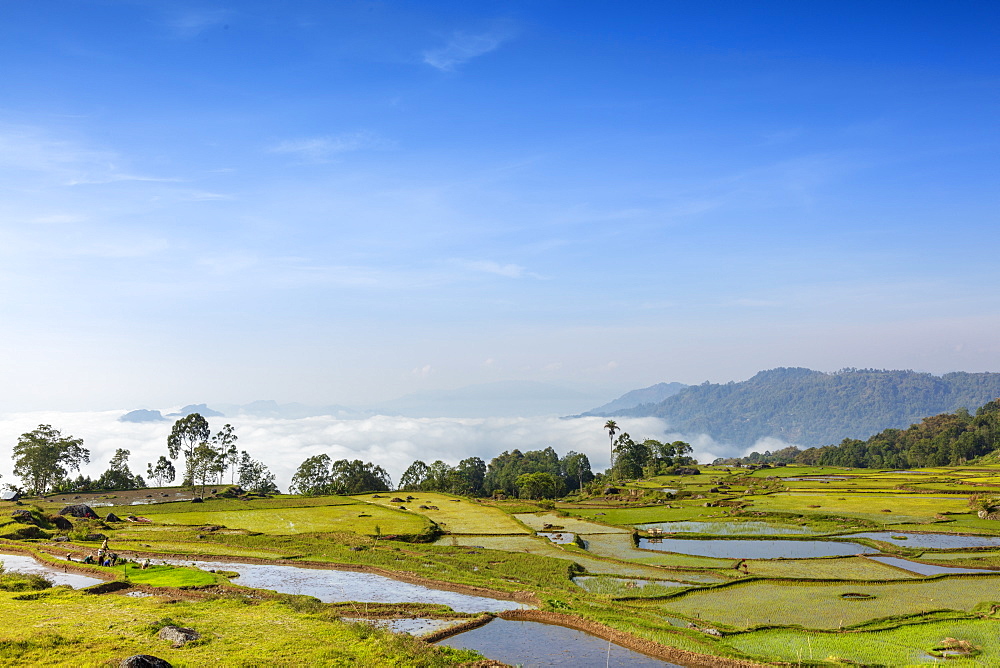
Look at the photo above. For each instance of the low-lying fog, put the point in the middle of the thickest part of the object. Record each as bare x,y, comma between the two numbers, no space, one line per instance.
392,442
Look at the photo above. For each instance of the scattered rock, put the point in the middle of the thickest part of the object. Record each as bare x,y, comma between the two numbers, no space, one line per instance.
60,539
396,499
178,635
144,661
95,537
79,510
61,523
197,499
23,516
112,518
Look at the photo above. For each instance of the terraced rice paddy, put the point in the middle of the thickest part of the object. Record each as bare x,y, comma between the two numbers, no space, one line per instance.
823,606
730,528
755,549
453,514
355,518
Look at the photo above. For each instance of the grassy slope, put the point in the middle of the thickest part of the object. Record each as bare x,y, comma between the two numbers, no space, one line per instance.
67,628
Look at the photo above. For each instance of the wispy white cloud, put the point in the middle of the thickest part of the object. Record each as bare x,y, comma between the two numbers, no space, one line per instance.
319,149
191,23
30,150
463,47
490,267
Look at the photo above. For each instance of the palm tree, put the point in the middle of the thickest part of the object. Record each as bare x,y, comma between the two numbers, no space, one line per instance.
612,427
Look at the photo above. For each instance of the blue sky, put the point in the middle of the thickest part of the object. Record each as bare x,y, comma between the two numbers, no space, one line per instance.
346,202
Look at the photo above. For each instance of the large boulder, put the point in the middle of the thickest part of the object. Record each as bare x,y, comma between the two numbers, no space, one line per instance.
23,516
61,523
178,635
144,661
79,510
112,518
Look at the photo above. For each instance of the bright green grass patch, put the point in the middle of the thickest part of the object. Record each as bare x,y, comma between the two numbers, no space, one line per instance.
171,576
230,505
69,628
630,516
820,606
905,645
904,508
453,514
841,568
626,588
309,520
569,524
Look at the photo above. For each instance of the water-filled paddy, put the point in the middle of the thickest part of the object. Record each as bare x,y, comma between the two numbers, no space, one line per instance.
928,569
416,626
331,586
938,541
559,537
535,644
755,549
25,564
728,528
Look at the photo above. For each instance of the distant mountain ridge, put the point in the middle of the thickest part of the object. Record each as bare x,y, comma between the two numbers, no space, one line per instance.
813,408
647,395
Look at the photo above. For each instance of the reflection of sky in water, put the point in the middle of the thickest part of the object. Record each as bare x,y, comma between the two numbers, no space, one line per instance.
416,626
929,540
25,564
927,569
559,537
728,528
755,549
332,586
535,644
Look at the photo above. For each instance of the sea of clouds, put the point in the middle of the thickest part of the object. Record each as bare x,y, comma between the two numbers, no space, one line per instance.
392,442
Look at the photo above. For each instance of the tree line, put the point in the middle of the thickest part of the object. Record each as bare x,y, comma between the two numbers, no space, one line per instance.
44,459
948,439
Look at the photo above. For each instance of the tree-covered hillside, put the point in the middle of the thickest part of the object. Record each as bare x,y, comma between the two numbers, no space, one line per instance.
948,439
814,408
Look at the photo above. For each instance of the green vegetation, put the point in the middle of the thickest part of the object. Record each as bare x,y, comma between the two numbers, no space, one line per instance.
815,408
849,608
70,628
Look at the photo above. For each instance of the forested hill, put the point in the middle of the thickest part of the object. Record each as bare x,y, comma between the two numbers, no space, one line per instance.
949,439
814,408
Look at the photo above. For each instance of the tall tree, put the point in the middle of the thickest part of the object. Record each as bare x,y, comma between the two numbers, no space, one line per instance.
44,456
119,476
576,466
611,426
187,434
163,471
414,477
224,443
255,476
313,477
204,466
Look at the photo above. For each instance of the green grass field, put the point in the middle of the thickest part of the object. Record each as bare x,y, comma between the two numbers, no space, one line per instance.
906,645
356,518
820,606
73,629
453,514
